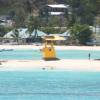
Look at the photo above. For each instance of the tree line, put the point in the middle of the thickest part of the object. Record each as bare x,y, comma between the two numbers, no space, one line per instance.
27,13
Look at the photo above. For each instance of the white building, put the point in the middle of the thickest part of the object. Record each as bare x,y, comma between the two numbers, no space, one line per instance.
57,9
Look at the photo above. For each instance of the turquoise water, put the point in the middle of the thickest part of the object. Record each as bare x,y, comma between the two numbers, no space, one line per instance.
49,85
36,54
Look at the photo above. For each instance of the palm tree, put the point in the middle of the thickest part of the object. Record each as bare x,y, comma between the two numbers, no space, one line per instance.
33,25
16,35
80,33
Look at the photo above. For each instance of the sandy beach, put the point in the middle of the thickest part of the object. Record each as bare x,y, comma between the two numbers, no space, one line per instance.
63,64
56,47
69,65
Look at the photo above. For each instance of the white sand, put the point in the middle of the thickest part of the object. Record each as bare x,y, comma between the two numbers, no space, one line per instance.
57,47
69,65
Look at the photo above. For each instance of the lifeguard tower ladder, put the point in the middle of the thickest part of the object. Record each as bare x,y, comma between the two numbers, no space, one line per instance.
48,50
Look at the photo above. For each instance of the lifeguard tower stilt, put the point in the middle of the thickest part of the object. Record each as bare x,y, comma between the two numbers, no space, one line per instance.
48,50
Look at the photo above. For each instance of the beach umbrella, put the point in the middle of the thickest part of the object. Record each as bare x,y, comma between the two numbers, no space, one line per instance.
53,38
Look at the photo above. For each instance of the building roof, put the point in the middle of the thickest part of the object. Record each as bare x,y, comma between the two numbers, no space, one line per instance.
23,33
58,6
40,33
67,33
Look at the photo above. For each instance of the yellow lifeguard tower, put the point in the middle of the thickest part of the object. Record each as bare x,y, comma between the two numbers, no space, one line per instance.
48,50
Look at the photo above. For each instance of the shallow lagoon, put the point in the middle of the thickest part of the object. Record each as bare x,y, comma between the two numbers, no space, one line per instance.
37,55
49,85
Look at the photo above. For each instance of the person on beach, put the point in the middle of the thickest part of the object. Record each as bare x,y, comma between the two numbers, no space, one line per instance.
89,56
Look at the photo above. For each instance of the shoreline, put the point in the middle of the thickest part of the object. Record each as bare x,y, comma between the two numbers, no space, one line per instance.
63,64
56,47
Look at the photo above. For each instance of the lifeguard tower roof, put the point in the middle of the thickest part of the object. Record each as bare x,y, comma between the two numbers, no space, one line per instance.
58,6
53,38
